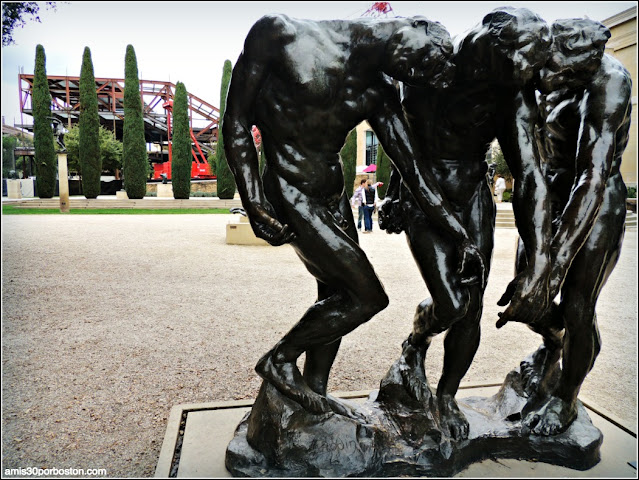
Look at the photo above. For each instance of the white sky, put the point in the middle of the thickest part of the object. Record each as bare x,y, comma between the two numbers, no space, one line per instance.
189,41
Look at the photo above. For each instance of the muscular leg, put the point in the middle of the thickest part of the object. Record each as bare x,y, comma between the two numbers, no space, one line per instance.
538,370
453,307
352,290
588,273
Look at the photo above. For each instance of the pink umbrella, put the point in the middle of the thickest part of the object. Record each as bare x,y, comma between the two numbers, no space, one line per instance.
370,169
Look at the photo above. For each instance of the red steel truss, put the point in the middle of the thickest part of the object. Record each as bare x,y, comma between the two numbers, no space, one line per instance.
65,92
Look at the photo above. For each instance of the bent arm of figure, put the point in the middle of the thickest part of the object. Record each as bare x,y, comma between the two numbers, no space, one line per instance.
528,293
392,130
604,110
390,215
241,154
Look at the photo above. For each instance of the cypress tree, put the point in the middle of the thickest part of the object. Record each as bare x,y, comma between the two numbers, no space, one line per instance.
225,179
349,160
89,141
262,159
134,156
383,171
181,163
45,154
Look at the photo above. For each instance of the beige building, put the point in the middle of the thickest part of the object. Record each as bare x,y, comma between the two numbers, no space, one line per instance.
623,46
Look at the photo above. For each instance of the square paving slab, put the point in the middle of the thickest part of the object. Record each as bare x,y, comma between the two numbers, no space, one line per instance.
198,434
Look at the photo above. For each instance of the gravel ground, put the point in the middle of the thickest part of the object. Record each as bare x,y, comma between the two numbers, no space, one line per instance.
110,320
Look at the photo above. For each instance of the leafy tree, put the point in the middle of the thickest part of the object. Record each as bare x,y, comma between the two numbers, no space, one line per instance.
181,163
9,161
383,171
16,14
349,160
110,150
135,158
497,157
262,159
9,143
225,179
89,145
45,154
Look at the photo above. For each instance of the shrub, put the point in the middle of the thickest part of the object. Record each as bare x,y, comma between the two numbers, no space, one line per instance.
632,192
89,141
507,196
181,162
349,161
45,154
383,171
134,157
225,179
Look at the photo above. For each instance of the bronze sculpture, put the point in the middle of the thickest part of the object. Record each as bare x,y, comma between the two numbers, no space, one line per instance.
585,104
435,120
305,106
491,96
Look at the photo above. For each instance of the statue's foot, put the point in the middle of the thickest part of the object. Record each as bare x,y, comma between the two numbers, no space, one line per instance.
536,369
287,378
453,422
554,417
343,408
411,367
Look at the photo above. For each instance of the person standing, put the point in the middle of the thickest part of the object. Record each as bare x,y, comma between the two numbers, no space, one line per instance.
356,201
370,201
500,188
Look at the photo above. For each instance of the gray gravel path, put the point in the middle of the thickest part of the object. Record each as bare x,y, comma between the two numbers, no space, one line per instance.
110,320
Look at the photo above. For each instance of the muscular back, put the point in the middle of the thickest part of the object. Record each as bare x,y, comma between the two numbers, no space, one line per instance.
315,89
603,105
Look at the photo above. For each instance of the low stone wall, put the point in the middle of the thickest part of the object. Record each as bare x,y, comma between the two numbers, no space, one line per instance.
204,186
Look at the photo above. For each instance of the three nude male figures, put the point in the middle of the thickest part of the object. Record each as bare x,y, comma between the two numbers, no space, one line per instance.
305,85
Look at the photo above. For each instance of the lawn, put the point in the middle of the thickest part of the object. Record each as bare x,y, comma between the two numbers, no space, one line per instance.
13,210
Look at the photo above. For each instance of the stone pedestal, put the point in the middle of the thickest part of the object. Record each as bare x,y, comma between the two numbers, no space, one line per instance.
387,437
121,195
241,233
63,179
13,189
165,190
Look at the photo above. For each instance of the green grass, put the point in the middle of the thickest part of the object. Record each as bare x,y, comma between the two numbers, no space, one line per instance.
13,210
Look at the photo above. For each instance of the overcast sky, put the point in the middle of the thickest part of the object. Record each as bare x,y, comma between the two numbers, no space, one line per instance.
189,41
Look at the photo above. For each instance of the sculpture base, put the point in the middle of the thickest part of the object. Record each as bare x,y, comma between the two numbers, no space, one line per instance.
277,438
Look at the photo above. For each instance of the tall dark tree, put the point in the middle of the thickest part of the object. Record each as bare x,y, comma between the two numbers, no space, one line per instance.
182,159
134,157
225,179
45,154
383,171
89,141
349,160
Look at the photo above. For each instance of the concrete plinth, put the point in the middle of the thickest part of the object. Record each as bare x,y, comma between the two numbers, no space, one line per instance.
241,233
165,190
121,195
198,435
63,183
13,189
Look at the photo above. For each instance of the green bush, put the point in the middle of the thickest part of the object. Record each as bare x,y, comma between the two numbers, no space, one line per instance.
182,160
134,156
46,159
349,161
383,171
632,192
89,141
507,196
225,180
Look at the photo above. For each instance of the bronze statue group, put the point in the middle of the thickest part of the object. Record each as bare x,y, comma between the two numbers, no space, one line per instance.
560,109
